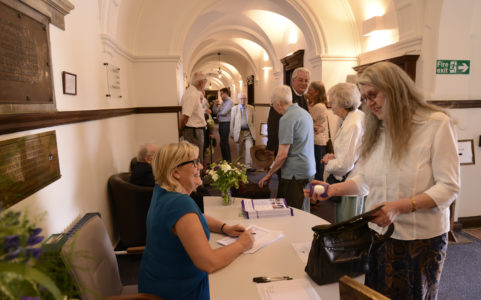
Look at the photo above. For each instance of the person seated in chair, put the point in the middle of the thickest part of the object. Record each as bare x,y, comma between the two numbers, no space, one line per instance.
178,256
142,169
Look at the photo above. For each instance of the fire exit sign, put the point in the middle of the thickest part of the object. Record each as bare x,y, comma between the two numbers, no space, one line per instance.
452,66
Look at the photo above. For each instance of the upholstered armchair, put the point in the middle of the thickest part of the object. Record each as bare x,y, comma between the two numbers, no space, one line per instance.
130,205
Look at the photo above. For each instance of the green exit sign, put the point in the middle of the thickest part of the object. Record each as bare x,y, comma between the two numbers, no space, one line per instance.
452,66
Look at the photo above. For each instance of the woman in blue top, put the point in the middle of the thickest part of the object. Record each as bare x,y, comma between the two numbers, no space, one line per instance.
178,257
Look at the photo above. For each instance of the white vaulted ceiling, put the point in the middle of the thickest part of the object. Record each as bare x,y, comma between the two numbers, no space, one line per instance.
249,34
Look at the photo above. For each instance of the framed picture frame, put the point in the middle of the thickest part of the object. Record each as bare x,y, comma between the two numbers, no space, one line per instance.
466,152
263,129
69,81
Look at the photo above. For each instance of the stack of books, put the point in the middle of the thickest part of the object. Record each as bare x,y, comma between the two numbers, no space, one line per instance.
261,208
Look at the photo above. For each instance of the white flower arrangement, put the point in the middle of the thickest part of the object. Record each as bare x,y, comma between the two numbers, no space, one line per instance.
226,175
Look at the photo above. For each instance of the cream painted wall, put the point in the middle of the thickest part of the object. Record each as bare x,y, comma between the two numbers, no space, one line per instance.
458,30
156,128
88,154
155,82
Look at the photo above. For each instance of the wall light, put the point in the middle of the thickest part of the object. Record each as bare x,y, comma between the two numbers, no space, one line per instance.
372,24
266,72
292,37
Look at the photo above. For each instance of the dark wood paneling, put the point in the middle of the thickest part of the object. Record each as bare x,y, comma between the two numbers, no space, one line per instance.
290,63
10,123
458,103
157,110
468,222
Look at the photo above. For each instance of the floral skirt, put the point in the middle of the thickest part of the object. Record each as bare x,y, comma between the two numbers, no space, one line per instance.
408,269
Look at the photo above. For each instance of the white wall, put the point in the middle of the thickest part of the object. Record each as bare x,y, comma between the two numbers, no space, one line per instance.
458,29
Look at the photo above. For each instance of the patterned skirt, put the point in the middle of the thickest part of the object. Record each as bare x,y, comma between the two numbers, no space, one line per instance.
408,269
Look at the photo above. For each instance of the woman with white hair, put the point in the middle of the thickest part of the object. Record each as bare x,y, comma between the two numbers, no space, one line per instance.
178,257
344,99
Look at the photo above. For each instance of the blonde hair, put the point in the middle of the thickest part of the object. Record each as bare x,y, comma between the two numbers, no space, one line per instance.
167,159
402,101
345,95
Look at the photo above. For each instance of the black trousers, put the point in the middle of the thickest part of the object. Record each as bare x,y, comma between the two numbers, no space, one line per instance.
293,191
224,130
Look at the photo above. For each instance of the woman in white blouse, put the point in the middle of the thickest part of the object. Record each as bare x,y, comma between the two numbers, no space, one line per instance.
316,96
345,99
410,164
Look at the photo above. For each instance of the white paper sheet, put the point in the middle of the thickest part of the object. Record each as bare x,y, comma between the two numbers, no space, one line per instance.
302,249
262,238
296,289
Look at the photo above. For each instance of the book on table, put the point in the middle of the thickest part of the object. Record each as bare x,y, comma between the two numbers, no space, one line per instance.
261,208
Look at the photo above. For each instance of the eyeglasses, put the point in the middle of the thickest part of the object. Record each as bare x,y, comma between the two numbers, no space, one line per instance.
194,161
371,96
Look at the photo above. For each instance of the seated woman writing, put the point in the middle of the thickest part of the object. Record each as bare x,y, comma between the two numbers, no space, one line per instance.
178,257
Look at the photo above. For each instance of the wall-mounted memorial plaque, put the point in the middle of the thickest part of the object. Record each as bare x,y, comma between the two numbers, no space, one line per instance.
27,164
25,72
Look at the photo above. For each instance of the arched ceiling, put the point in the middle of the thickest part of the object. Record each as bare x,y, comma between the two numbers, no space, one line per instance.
250,34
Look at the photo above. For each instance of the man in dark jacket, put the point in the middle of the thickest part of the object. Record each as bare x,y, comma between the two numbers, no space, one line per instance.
142,169
299,83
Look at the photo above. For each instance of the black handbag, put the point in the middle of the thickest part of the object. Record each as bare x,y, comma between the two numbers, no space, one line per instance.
343,248
329,145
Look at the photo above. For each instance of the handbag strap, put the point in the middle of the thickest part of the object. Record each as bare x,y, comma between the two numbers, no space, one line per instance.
378,239
328,130
362,218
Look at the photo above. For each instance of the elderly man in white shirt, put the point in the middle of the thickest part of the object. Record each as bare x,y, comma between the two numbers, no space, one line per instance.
242,129
192,121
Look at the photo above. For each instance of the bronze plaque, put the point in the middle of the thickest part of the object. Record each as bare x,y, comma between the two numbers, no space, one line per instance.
27,164
24,59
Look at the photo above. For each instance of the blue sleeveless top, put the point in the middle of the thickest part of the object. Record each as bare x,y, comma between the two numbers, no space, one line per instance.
166,269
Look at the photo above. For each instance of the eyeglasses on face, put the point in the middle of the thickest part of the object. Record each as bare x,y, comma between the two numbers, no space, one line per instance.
371,96
194,161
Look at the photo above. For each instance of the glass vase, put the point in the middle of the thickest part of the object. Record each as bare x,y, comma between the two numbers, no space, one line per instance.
226,197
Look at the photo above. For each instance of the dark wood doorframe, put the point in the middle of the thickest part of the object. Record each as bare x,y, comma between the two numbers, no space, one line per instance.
406,62
290,63
250,90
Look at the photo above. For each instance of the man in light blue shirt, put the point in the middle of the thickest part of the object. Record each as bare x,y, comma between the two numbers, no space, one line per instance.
295,154
223,112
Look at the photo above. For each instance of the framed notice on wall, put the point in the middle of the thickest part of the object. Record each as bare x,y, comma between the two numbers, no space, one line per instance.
466,152
69,83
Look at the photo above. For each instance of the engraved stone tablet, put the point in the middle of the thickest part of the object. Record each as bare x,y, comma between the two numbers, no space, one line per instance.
27,164
24,59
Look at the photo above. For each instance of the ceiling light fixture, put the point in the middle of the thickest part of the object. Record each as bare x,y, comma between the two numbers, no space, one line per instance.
219,72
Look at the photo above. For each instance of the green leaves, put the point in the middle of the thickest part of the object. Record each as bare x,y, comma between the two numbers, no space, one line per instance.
17,280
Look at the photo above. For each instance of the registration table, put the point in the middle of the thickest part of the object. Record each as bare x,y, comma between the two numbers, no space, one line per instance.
276,259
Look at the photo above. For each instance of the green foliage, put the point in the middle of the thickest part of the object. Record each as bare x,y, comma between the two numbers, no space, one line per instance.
19,251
